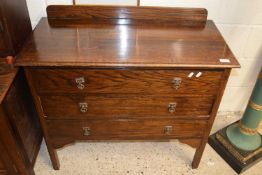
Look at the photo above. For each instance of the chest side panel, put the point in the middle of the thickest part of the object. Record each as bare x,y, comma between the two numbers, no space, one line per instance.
21,111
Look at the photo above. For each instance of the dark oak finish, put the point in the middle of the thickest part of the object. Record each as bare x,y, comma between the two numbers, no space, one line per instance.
128,15
39,108
125,106
125,129
213,114
15,26
101,45
20,135
21,111
127,81
93,78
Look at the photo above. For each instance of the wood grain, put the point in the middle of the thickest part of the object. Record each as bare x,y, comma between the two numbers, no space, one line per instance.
194,143
126,81
128,14
200,149
126,106
101,45
128,58
14,151
60,133
52,152
20,134
19,107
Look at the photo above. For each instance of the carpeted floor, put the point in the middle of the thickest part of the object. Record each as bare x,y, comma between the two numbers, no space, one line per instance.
138,158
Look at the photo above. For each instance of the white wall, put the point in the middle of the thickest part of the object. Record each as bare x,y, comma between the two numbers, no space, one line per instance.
240,22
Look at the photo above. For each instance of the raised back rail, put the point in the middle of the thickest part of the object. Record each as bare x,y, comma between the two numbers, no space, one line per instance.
127,15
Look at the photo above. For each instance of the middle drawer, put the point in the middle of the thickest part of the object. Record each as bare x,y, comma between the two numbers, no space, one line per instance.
127,106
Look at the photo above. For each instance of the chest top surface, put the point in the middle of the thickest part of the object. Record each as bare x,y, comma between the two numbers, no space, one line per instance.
7,76
110,45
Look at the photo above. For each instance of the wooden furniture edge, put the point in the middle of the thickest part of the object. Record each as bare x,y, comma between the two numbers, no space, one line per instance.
129,14
36,99
200,149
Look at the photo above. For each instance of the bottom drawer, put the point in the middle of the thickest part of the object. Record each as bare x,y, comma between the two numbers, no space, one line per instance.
124,129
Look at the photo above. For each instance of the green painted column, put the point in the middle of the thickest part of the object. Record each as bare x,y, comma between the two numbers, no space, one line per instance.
244,134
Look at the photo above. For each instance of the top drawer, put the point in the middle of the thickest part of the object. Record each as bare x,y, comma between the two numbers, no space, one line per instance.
126,81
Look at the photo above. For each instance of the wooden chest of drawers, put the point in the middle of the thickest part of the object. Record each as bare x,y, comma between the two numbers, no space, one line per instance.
94,81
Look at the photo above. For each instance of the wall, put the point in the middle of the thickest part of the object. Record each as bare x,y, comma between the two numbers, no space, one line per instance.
240,22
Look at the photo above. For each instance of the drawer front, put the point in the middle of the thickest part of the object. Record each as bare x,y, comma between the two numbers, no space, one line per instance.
124,129
113,106
126,81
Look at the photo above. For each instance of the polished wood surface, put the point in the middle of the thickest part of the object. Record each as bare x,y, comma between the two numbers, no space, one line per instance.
126,106
15,26
127,81
102,80
125,129
127,15
101,45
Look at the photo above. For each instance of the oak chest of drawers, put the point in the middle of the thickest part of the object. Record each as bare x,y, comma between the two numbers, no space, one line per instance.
116,73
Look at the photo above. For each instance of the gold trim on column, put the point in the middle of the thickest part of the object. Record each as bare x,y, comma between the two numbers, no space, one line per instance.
246,130
255,106
234,152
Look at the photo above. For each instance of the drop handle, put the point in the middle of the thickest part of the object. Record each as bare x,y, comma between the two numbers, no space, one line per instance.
86,131
83,107
176,82
172,107
168,130
80,82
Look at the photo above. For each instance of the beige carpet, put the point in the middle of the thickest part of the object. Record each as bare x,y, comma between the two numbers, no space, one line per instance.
138,158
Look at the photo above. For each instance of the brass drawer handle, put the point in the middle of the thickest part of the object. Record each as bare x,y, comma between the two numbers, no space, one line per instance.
172,107
176,82
80,82
168,130
83,107
86,131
